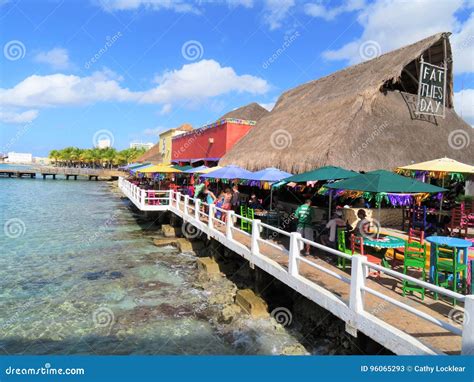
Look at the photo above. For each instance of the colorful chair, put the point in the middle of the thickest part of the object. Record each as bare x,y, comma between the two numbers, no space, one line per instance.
357,244
414,236
447,263
414,257
249,214
341,246
418,218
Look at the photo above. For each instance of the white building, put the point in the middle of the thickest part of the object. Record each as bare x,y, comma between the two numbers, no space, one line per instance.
19,157
141,145
104,143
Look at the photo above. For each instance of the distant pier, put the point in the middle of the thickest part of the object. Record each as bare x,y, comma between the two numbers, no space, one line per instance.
67,172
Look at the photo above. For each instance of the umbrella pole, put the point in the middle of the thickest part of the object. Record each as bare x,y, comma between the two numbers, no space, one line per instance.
271,198
330,202
441,201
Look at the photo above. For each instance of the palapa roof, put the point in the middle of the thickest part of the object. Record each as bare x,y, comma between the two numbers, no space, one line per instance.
154,155
252,112
360,118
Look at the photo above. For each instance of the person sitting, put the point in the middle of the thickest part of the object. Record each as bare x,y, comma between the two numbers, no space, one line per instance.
254,203
333,224
362,227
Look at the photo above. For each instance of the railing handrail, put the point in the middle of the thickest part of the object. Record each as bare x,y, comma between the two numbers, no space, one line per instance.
356,281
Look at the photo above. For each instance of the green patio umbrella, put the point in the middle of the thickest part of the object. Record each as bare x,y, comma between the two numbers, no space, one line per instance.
182,168
384,181
320,174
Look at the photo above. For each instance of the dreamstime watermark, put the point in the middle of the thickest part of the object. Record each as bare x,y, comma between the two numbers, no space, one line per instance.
458,316
103,318
374,231
374,134
14,50
369,50
281,139
459,139
282,315
189,231
189,142
103,138
192,50
44,370
14,228
286,44
109,42
20,132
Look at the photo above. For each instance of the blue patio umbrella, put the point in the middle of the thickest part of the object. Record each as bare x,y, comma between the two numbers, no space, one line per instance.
229,172
196,169
270,175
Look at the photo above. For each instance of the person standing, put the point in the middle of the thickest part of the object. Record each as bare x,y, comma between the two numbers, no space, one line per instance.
304,214
235,201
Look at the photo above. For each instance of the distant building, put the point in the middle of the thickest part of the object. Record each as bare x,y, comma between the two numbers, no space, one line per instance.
41,160
141,145
104,143
209,143
13,157
161,152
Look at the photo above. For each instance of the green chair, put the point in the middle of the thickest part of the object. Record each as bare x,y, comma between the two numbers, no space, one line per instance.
341,246
447,263
244,224
414,257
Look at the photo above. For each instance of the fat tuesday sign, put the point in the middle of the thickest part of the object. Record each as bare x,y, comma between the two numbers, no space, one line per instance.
431,90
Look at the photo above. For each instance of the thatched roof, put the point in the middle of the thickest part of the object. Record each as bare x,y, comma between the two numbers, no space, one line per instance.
154,155
360,118
252,112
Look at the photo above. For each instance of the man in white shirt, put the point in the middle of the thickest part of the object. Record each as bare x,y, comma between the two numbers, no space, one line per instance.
333,224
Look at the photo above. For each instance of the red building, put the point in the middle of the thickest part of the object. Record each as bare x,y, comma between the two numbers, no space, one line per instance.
209,143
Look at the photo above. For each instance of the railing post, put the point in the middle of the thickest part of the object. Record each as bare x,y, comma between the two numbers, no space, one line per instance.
142,197
210,217
197,208
356,300
178,199
254,247
468,326
229,222
186,203
294,253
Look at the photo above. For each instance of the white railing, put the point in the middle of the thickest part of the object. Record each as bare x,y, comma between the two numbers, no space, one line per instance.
353,311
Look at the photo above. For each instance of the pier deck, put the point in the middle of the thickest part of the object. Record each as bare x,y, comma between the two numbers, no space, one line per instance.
374,306
67,172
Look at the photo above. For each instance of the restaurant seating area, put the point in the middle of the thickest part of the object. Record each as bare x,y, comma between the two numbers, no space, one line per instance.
430,242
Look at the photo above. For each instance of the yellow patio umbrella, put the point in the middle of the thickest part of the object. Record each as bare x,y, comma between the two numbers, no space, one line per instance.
440,167
162,169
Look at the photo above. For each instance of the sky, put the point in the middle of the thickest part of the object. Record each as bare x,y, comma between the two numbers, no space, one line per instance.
74,72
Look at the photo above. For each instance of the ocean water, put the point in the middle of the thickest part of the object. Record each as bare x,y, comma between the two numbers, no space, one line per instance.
79,275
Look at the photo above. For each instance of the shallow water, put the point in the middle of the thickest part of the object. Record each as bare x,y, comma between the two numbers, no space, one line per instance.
79,275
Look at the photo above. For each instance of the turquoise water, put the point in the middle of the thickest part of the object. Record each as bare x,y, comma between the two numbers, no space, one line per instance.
79,275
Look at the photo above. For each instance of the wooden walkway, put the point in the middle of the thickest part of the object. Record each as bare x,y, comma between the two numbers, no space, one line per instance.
372,305
432,335
67,172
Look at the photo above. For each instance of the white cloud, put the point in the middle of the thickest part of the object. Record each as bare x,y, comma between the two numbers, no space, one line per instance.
194,84
14,117
57,58
128,5
202,80
393,24
275,11
269,105
464,104
318,9
166,109
155,131
463,47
